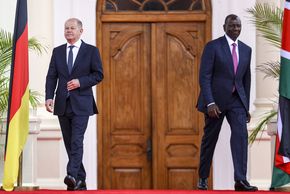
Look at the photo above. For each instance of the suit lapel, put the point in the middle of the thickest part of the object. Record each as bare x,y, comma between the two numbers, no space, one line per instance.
228,55
241,57
63,58
79,56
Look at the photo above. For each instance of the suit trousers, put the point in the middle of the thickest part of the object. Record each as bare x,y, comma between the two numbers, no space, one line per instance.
236,116
73,128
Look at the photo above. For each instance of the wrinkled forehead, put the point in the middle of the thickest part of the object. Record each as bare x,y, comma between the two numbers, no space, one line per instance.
70,23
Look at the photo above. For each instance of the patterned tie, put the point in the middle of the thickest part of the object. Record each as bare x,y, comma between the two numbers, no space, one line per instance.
70,59
235,57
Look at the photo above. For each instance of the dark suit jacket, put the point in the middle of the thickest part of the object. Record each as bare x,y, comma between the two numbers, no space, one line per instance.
217,76
87,68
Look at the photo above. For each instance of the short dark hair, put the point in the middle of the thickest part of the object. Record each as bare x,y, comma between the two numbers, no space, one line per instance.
232,17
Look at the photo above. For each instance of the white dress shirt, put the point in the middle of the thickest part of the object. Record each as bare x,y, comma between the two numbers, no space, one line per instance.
230,42
75,50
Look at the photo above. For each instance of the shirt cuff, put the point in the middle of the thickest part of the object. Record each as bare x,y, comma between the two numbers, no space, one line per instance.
210,104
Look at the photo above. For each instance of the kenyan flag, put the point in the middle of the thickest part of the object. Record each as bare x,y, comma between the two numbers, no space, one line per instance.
281,169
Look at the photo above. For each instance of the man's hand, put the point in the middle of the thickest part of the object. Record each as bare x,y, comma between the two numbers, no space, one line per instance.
73,84
49,105
213,111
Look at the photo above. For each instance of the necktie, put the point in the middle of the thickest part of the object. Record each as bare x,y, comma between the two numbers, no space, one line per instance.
70,59
235,57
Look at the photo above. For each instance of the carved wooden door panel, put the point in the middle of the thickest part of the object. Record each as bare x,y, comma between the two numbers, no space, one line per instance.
176,122
126,107
150,126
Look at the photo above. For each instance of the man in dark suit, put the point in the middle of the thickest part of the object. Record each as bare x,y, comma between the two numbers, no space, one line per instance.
225,80
75,67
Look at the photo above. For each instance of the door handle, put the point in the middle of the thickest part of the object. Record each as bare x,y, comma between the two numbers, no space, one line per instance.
149,149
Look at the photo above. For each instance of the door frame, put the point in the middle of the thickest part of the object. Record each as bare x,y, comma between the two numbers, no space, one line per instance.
140,17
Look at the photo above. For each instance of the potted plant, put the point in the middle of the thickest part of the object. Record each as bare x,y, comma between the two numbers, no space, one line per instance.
268,22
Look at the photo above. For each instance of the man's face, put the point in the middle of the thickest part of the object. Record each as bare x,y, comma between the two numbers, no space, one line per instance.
233,27
72,32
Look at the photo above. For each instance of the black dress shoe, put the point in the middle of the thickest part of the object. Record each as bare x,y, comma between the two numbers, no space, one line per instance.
70,181
202,184
80,186
70,189
244,186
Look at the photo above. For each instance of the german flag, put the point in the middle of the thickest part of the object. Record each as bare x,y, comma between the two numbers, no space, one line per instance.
18,104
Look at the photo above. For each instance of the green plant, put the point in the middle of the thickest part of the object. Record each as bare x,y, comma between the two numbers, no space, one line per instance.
268,22
6,42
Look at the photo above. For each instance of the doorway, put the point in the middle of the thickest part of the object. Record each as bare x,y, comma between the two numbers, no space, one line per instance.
149,130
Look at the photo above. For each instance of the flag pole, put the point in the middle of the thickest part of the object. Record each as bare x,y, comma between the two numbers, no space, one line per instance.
19,178
20,186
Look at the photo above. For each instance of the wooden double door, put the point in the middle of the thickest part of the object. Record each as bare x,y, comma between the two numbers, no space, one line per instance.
150,130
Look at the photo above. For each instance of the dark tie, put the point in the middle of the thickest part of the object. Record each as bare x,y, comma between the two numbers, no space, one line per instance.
235,57
70,59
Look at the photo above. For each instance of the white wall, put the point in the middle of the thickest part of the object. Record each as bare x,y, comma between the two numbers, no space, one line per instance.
7,13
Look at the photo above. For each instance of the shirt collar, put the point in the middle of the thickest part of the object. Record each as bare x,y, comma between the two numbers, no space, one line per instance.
230,41
76,44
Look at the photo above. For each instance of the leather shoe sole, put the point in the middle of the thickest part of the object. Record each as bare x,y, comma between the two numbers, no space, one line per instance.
202,188
248,189
244,186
